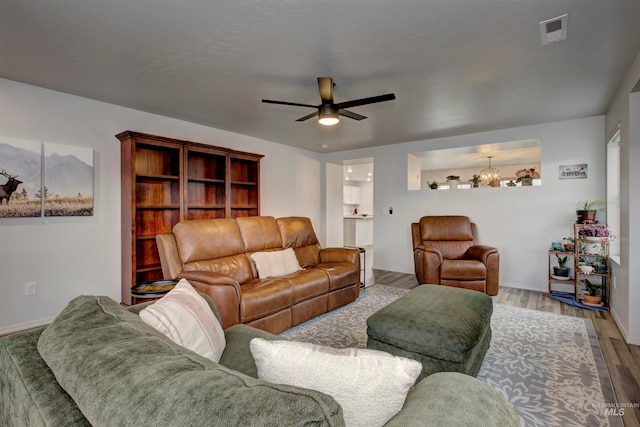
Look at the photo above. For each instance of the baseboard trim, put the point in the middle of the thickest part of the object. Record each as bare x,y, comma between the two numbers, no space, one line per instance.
623,330
24,326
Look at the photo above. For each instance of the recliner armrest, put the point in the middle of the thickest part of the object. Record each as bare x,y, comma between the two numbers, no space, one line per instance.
480,253
429,250
224,291
339,255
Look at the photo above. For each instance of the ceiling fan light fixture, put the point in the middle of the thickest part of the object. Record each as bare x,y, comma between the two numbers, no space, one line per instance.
328,115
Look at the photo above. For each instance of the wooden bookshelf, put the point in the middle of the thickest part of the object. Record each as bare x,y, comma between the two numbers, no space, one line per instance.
165,181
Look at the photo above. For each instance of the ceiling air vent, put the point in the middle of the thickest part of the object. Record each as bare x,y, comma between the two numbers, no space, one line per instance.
554,30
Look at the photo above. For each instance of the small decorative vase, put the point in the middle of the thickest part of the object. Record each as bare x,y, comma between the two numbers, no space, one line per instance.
495,183
453,184
527,182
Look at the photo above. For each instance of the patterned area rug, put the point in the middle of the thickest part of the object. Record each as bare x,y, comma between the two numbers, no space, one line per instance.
549,366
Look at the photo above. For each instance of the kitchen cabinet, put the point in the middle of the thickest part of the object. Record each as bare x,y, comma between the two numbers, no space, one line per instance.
350,195
358,231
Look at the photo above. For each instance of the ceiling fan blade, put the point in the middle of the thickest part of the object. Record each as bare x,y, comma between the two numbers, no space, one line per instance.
295,104
325,85
351,115
364,101
307,117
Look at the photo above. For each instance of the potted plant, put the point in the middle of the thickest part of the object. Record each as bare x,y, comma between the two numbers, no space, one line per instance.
591,296
475,181
526,176
453,181
511,184
433,185
600,265
595,232
561,270
570,245
586,211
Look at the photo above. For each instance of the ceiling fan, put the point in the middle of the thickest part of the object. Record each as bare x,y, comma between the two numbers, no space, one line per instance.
328,111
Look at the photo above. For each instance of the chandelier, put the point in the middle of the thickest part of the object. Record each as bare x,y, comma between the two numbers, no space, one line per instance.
490,175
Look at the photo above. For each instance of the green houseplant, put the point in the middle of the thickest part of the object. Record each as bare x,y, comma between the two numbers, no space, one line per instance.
561,270
475,181
433,185
591,297
586,210
453,181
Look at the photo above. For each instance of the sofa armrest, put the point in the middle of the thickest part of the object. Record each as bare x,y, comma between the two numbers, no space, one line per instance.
339,255
480,253
224,291
453,399
237,354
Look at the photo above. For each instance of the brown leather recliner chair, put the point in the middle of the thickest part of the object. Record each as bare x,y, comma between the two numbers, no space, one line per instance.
446,252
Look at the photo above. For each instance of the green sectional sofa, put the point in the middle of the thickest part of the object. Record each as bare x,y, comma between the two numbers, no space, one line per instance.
99,364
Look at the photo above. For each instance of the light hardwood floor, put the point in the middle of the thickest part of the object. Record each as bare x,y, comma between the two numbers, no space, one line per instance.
622,359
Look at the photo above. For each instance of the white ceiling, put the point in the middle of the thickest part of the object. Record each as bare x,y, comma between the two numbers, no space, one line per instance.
456,66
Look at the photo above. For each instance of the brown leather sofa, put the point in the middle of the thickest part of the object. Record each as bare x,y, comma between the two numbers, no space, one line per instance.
446,252
214,255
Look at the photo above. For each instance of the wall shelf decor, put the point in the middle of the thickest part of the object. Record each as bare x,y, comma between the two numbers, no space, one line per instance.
165,181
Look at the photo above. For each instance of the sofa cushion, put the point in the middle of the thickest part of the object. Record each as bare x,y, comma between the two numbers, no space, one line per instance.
259,233
185,317
371,386
262,297
116,367
207,239
275,263
297,233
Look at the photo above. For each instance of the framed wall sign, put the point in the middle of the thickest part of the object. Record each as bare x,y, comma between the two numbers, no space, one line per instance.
578,171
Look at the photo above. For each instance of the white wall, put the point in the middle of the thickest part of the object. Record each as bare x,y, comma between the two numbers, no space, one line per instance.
625,109
521,222
71,256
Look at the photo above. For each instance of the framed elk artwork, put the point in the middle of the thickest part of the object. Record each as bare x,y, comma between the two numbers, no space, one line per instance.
67,187
68,180
20,178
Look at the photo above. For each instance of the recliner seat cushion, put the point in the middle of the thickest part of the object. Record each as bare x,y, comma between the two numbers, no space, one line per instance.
117,368
463,269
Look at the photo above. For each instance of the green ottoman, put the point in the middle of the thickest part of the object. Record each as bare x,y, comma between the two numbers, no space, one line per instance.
444,328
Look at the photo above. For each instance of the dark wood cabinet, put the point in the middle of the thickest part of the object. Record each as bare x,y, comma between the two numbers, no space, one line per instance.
165,181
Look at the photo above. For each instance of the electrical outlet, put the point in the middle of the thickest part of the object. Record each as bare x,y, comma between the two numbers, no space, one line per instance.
30,288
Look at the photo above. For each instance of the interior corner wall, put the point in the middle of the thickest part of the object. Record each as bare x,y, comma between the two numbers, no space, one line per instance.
625,110
74,256
521,222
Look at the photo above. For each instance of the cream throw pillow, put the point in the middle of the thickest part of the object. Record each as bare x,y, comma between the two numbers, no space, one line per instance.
370,385
186,318
275,263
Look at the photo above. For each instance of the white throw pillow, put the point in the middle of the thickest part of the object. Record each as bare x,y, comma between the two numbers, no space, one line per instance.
370,385
275,263
186,318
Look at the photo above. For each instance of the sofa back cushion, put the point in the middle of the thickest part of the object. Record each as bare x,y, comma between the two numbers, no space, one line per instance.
213,245
207,239
259,233
116,367
297,233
